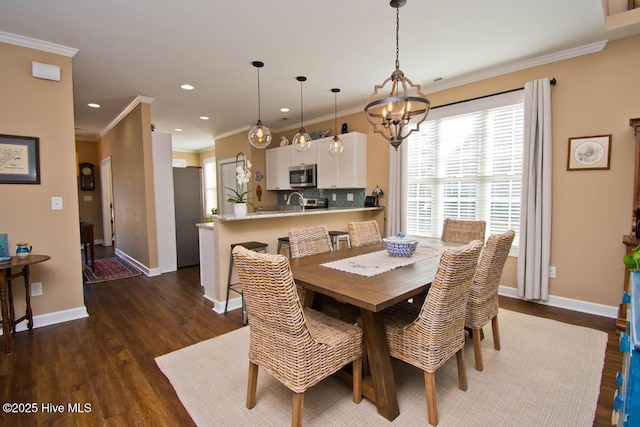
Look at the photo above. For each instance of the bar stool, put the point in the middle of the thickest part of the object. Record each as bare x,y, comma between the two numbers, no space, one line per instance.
336,236
284,241
253,246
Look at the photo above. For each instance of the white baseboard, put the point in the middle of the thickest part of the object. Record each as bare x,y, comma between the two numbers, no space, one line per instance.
149,272
53,318
567,303
218,306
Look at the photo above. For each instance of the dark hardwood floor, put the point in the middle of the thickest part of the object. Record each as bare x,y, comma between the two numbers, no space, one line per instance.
107,360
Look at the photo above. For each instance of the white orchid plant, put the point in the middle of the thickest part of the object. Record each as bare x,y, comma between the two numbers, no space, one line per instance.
243,175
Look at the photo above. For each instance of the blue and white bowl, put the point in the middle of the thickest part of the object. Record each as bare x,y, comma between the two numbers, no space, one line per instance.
400,245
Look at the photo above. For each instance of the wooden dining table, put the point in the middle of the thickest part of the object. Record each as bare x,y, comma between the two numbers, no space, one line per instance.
372,295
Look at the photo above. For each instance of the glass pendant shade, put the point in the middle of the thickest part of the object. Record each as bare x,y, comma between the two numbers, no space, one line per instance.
336,146
397,106
259,134
301,141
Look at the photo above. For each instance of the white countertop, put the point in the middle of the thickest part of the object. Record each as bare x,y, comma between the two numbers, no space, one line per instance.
261,215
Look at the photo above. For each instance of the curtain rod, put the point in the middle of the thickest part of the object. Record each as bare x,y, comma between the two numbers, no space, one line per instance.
553,82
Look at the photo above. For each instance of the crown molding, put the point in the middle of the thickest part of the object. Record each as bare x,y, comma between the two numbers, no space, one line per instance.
23,41
137,100
516,66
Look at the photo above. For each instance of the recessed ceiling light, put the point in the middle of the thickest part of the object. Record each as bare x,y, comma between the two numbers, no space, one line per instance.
93,105
284,109
178,130
187,87
204,117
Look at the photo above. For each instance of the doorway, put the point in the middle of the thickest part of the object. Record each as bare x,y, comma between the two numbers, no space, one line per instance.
108,219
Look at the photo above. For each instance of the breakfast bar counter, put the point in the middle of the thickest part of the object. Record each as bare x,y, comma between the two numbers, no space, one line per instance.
216,238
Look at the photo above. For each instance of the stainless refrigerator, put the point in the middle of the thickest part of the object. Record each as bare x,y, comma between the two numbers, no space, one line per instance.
188,205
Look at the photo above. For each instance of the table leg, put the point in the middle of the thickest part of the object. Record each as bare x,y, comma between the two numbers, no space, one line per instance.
6,326
384,384
93,264
27,291
12,310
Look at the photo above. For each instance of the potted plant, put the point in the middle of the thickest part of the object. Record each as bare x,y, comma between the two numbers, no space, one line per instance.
632,261
240,199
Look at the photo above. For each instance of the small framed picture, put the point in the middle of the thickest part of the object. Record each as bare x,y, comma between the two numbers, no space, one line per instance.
589,153
19,160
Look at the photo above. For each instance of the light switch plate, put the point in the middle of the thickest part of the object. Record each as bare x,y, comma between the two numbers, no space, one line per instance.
349,197
56,203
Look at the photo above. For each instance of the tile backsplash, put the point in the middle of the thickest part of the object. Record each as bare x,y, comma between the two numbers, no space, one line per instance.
341,196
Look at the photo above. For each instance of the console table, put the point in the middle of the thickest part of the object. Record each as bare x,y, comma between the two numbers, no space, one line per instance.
9,320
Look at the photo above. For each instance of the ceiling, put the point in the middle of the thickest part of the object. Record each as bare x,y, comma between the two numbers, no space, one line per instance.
148,48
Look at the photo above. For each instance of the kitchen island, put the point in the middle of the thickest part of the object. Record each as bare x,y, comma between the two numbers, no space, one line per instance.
217,236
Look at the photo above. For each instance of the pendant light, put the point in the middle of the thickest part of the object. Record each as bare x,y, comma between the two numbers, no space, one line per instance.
259,134
405,104
301,141
336,146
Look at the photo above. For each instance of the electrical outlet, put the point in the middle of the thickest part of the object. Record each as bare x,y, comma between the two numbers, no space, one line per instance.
552,272
284,197
333,197
349,197
36,289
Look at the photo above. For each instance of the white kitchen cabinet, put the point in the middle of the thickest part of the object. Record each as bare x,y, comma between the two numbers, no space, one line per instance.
349,169
299,158
278,161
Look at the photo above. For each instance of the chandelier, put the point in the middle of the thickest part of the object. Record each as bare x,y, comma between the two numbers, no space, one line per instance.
259,134
405,104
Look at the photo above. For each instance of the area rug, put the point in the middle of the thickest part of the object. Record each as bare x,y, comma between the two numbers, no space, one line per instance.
546,374
108,269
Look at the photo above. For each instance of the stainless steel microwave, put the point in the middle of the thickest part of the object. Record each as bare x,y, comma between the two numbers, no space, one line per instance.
302,176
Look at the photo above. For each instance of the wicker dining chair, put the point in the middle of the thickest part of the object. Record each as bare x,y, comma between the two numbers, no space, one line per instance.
364,232
462,231
482,306
298,346
307,241
432,338
315,240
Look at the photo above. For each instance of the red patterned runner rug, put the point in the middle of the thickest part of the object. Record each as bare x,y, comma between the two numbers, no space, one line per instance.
108,269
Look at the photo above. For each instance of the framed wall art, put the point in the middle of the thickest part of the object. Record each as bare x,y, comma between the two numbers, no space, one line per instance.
19,159
589,153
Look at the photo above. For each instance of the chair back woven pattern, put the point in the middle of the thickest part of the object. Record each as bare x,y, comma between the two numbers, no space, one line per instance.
299,347
462,231
364,232
307,241
483,296
438,332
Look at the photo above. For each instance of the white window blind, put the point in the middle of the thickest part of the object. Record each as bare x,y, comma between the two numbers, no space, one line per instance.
466,163
210,187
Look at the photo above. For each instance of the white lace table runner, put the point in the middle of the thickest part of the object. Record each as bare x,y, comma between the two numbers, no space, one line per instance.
379,262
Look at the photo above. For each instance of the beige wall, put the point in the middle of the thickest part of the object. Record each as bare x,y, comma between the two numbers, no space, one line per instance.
129,145
43,109
90,210
596,94
193,159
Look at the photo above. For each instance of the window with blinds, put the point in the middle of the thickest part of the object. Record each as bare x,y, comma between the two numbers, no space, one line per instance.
210,190
466,163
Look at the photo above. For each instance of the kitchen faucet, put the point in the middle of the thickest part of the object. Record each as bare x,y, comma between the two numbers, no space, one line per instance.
301,199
